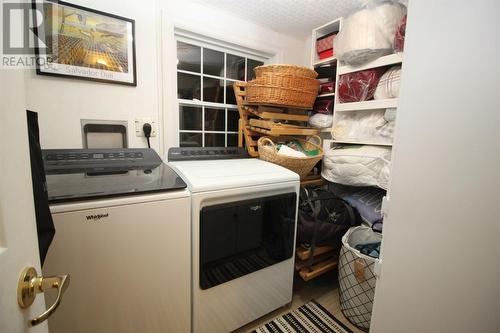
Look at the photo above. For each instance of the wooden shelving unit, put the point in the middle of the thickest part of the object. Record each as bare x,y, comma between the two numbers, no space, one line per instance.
325,259
257,120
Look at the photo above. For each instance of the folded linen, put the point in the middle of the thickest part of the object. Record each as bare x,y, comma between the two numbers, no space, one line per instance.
287,151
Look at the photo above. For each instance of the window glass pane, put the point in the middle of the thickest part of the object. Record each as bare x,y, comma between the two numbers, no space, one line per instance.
190,118
213,62
190,140
188,57
232,140
251,64
214,140
230,99
212,90
232,120
235,68
214,119
188,86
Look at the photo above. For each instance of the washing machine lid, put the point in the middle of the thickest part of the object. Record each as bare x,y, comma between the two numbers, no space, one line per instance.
88,174
202,176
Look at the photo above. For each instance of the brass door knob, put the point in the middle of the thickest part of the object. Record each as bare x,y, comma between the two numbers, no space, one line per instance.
31,284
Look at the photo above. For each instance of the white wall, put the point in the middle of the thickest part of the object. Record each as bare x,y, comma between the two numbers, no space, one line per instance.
441,252
61,102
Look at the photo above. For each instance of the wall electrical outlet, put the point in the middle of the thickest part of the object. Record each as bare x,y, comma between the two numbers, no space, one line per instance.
139,123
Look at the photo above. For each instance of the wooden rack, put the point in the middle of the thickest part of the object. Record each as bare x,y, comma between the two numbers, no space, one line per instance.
259,120
324,260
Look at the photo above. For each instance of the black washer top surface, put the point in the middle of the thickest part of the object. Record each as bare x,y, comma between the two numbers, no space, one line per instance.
86,174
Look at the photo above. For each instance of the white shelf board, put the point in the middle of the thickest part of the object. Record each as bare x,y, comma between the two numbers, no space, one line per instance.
354,142
326,28
326,95
390,59
325,61
367,105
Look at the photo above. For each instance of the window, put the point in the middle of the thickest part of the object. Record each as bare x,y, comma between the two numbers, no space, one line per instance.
208,115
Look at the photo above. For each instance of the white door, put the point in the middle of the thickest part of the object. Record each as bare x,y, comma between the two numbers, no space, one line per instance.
18,238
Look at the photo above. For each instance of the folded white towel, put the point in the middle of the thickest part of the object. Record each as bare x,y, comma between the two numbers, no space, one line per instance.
287,151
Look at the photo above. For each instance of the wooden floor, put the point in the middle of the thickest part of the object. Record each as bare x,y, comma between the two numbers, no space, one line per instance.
323,289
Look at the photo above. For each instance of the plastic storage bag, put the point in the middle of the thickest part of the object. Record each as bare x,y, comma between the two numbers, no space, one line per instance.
369,32
375,126
321,120
357,165
357,277
399,38
359,86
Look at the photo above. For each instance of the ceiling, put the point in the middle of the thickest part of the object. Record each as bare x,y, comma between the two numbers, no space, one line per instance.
292,17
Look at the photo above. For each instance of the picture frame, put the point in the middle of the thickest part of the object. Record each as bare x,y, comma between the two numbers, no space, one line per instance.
78,42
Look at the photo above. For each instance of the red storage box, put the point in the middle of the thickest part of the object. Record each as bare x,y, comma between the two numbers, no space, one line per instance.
324,46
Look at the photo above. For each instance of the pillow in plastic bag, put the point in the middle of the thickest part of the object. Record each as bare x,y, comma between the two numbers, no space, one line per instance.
357,165
369,33
321,120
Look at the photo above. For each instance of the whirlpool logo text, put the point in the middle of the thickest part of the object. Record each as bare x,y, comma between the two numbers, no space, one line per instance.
97,217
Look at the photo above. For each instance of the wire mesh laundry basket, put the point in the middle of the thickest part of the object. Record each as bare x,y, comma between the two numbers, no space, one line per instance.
357,277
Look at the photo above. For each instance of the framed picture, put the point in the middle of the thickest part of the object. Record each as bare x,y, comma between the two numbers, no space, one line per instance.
83,43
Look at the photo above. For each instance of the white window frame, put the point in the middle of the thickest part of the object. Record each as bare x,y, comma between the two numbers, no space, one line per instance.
205,42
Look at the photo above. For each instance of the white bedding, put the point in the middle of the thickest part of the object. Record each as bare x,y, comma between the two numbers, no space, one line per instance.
358,165
375,126
368,33
321,120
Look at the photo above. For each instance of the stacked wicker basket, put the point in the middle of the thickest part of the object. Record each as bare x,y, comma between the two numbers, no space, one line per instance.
283,85
277,90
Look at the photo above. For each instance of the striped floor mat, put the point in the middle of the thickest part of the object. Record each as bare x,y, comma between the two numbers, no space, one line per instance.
309,318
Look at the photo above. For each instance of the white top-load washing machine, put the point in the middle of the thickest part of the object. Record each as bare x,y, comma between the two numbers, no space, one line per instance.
243,235
122,220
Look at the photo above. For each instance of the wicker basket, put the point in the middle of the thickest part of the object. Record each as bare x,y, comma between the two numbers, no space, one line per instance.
301,165
258,93
285,69
288,81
